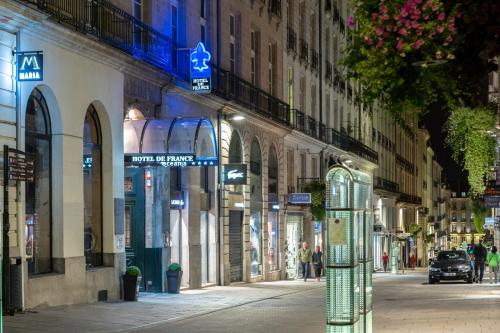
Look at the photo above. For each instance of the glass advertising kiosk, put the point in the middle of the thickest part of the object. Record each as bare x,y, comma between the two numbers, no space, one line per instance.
158,157
349,251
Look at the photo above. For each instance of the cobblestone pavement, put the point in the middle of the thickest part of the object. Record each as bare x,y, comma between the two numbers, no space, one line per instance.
403,303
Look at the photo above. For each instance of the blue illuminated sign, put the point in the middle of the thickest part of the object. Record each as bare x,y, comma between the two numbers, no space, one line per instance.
201,72
167,160
29,66
299,198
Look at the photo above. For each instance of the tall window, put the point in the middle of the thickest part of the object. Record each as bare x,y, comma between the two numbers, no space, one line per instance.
38,191
138,15
272,67
302,94
202,9
174,34
232,42
255,209
92,189
273,215
254,57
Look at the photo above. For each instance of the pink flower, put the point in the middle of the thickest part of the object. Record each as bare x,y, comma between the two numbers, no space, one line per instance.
440,29
441,16
418,44
379,31
369,41
374,16
400,45
415,25
451,27
418,2
384,17
426,17
351,21
403,32
379,43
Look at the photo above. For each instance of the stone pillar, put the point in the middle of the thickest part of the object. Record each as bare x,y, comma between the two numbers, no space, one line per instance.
191,186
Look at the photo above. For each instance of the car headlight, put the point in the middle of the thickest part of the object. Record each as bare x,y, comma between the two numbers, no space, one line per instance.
434,269
464,268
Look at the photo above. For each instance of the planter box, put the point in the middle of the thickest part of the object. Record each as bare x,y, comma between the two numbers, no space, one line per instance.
130,287
174,282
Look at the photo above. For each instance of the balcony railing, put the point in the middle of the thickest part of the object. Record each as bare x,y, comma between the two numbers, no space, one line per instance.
291,41
314,60
113,26
380,183
410,199
304,51
403,162
302,182
231,87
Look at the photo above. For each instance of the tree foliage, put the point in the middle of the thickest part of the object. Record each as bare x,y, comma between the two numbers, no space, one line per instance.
479,214
473,146
318,197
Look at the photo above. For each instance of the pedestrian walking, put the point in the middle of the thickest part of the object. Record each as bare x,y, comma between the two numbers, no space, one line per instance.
385,261
480,253
317,260
305,258
413,261
493,260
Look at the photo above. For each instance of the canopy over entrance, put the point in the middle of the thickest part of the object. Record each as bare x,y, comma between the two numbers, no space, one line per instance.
176,142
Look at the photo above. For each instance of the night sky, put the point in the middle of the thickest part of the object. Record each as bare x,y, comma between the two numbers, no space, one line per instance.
434,121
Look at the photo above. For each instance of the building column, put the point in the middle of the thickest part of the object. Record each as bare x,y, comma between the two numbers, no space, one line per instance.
192,187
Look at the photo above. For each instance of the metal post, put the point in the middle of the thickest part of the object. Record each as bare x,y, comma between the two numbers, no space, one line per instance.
5,242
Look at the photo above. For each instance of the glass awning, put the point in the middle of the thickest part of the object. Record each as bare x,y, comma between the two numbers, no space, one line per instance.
170,142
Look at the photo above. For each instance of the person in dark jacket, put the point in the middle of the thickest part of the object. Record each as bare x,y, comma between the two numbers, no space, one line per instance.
480,253
317,260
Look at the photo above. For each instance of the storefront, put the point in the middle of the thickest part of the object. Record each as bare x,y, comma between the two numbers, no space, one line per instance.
169,213
294,236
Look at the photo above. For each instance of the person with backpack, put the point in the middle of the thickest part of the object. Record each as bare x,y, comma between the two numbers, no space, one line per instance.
493,260
480,253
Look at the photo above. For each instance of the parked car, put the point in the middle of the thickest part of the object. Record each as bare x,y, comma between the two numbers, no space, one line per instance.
451,265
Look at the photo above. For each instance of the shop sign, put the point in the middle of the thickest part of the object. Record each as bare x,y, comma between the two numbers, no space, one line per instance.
489,222
497,222
167,160
29,66
87,162
200,69
299,198
492,201
235,174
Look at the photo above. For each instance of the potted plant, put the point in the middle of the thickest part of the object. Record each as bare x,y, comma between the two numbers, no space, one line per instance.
174,277
131,280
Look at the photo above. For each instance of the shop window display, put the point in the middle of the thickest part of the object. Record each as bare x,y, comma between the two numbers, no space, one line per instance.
38,192
255,209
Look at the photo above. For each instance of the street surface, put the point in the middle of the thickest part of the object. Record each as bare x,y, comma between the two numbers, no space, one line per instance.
403,303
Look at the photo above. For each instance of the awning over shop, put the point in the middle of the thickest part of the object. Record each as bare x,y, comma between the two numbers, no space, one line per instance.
177,142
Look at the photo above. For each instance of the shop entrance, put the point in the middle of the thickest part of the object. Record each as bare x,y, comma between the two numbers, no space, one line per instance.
236,245
292,244
138,248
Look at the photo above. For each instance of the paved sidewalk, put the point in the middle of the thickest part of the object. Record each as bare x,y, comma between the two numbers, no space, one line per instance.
151,310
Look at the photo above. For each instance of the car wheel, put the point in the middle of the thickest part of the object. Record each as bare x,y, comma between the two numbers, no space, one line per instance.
431,281
470,280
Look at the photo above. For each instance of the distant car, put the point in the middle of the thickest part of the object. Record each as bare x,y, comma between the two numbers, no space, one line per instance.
451,265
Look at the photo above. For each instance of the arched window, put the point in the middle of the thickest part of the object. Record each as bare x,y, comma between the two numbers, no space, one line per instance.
274,208
92,189
235,156
255,209
39,191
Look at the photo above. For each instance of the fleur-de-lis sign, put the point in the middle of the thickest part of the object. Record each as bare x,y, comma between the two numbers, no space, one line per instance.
200,57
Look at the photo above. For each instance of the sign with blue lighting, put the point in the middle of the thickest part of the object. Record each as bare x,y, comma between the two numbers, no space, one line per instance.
492,201
29,66
299,198
167,160
201,71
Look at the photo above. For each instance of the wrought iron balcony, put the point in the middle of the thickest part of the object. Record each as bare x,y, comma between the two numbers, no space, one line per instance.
380,183
231,87
314,60
291,41
304,51
350,144
410,199
404,163
115,27
302,182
